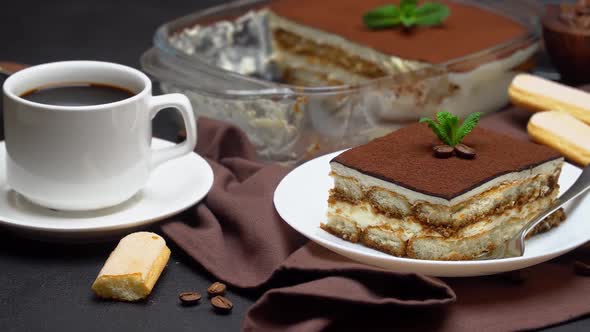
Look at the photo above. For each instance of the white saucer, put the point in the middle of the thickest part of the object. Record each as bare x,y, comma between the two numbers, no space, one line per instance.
301,200
172,187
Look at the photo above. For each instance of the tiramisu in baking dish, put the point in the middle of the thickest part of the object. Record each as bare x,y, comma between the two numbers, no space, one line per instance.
319,42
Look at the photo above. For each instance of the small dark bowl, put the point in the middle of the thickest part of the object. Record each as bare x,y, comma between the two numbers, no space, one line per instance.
567,46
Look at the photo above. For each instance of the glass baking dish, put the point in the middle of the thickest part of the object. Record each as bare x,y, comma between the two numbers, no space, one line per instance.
219,58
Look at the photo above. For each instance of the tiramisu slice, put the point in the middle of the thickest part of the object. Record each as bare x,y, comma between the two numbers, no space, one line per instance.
394,195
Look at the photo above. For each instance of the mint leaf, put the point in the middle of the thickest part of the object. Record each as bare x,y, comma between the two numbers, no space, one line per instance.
382,17
407,14
407,20
383,11
448,130
445,119
381,23
430,14
437,129
468,124
453,129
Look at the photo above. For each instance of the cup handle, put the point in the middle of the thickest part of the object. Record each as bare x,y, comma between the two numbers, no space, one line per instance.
183,105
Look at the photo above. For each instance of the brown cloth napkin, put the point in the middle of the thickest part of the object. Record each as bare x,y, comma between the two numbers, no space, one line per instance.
236,235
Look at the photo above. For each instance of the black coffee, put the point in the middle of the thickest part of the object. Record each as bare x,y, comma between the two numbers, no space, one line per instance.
78,94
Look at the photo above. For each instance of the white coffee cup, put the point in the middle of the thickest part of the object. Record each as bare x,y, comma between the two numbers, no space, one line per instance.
85,157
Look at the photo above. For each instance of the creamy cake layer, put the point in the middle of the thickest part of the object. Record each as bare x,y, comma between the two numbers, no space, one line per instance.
492,197
294,39
476,90
447,220
298,53
310,71
303,71
408,237
364,216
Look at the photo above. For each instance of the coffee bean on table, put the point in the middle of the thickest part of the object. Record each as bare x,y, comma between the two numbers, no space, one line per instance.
189,298
442,151
582,268
465,152
221,304
216,288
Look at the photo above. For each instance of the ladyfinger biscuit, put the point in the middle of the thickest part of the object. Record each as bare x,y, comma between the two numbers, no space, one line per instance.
562,132
132,269
538,94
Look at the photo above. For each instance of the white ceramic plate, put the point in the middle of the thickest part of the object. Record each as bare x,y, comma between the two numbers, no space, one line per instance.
172,187
301,200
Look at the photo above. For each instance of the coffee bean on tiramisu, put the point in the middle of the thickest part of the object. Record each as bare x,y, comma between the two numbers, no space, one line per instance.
442,151
189,298
216,288
582,268
221,304
464,152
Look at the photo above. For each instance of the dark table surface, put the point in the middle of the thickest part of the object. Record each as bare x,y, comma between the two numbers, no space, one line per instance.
46,286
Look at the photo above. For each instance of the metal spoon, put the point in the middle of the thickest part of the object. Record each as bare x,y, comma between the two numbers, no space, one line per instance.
514,247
